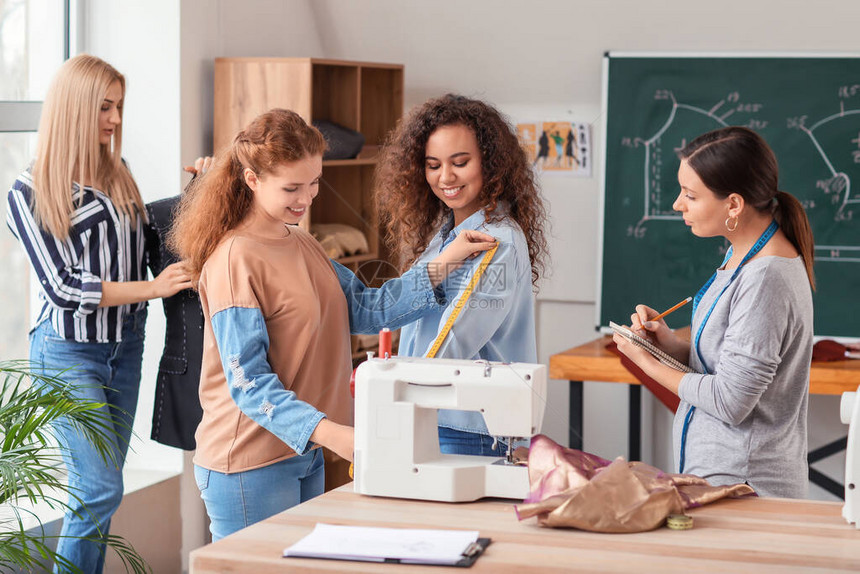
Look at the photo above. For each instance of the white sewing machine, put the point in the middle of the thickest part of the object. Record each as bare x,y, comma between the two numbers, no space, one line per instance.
396,437
849,412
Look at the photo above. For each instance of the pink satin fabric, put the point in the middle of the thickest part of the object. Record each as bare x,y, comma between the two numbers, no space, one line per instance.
571,488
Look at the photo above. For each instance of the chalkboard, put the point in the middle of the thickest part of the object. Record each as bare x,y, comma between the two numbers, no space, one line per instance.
808,110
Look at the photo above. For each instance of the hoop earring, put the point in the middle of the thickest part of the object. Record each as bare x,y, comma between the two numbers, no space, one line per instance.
735,226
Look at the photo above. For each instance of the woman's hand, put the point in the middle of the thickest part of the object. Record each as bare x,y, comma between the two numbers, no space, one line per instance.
173,279
658,333
340,439
663,374
635,353
201,165
466,245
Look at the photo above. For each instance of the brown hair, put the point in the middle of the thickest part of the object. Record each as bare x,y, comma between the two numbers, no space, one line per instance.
738,160
409,210
68,149
219,200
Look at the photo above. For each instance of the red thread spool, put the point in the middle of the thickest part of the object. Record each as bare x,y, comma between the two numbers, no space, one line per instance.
385,343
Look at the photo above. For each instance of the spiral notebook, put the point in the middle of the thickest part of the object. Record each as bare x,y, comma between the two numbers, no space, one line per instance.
658,354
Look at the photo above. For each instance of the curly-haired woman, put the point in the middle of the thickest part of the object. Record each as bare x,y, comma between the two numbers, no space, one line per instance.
455,164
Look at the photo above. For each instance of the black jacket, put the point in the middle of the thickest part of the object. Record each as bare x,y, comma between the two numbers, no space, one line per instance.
177,410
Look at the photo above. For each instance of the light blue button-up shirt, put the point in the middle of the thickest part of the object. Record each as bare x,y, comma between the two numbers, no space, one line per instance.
497,323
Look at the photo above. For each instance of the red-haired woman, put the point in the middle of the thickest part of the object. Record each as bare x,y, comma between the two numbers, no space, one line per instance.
276,349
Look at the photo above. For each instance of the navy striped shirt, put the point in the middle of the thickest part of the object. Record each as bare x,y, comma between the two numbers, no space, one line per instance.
103,245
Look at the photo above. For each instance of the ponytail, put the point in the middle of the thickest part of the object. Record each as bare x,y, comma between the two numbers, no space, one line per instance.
791,217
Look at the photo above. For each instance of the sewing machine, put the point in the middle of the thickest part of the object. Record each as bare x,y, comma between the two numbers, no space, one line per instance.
396,437
849,412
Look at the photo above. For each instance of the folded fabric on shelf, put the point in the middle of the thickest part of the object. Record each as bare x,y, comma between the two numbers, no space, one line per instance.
339,239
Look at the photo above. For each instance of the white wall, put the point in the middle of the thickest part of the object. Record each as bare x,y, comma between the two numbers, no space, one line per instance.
141,40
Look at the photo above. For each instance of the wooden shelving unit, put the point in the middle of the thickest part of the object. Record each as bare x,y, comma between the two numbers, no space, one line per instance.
366,97
362,96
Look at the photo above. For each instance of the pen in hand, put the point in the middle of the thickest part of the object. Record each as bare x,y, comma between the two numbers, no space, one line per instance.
671,309
638,326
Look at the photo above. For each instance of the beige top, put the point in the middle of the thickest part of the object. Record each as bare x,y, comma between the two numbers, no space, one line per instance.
276,350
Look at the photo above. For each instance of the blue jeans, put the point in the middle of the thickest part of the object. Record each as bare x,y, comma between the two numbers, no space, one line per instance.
107,373
234,501
461,442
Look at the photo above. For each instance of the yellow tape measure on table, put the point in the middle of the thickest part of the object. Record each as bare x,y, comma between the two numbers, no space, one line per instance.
461,302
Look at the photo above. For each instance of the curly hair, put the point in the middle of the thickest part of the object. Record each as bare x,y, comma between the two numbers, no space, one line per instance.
218,201
409,211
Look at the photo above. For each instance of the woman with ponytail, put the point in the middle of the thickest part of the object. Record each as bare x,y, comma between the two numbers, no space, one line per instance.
742,416
79,216
276,349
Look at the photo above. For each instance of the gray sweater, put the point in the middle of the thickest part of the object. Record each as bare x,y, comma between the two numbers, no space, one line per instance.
750,419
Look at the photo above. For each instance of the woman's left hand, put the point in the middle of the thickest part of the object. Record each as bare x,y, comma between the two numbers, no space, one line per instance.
663,374
633,352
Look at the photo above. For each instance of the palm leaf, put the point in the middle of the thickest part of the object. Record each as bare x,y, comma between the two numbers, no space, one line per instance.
33,404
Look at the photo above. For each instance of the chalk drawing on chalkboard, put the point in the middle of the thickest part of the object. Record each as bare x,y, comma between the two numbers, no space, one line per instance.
820,167
837,187
657,203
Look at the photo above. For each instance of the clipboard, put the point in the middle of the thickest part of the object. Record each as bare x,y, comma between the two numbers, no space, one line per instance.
428,547
472,552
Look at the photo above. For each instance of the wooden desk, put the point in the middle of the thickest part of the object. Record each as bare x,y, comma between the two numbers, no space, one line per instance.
751,535
593,362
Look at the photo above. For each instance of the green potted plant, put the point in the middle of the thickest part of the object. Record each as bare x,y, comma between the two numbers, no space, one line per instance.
31,403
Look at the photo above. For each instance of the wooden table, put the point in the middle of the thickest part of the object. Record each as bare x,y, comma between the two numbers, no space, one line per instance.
749,535
593,362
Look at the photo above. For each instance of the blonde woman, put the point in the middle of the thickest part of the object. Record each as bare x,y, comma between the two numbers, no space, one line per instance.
79,216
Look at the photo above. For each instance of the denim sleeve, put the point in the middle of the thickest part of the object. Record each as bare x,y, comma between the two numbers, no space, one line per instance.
398,302
243,344
65,281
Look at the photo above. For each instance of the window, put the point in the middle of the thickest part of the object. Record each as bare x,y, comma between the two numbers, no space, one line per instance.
34,41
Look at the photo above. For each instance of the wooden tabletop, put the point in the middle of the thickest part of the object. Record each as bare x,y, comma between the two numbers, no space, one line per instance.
748,535
593,362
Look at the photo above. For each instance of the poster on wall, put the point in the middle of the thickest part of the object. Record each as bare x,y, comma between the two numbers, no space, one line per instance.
557,147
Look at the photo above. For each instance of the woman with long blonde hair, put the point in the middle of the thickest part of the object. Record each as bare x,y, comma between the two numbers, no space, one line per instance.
79,216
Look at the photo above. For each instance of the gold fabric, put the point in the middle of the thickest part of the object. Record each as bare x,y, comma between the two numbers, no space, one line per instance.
571,488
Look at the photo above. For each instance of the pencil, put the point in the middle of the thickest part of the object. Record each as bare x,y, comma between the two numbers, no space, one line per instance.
671,309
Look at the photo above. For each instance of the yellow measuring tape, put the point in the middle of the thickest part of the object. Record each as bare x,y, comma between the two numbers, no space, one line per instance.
461,302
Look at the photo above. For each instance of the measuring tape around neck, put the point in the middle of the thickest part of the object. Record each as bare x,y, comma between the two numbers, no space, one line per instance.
461,302
758,246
